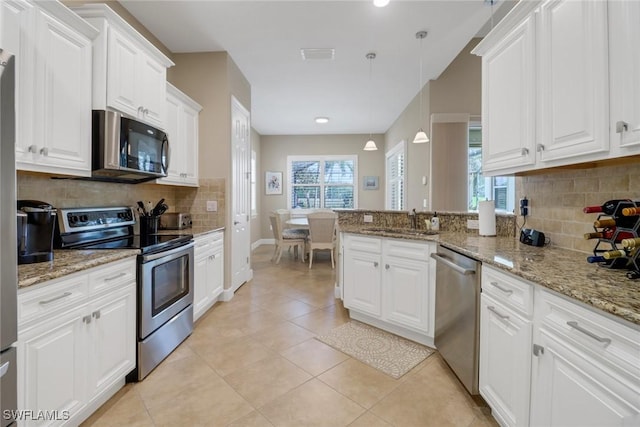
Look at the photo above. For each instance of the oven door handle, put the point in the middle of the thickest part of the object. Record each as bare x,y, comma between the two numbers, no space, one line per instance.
163,254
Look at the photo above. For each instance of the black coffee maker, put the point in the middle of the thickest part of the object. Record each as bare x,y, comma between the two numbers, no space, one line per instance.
36,224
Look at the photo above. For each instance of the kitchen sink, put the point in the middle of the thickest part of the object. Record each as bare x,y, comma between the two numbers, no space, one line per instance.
400,231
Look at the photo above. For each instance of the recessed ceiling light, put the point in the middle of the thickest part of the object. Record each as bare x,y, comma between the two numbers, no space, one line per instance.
380,3
317,53
322,120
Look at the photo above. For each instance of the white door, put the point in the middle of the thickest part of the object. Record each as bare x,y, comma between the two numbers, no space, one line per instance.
240,190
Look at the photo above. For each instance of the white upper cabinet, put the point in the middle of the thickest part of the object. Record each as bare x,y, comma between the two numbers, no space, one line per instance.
574,83
508,101
53,88
624,39
561,115
182,128
129,71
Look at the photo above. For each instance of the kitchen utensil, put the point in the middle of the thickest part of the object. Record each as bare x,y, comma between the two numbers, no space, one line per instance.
149,207
157,206
142,208
160,210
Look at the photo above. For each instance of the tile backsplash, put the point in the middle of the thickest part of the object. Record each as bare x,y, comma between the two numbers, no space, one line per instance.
556,199
69,193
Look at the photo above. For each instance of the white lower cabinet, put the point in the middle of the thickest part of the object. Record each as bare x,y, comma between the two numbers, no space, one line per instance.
75,351
389,283
587,368
208,271
548,361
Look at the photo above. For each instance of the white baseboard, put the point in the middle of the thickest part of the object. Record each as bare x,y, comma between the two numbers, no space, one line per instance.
337,291
261,242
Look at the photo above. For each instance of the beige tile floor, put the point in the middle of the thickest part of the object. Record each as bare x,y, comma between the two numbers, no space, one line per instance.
254,361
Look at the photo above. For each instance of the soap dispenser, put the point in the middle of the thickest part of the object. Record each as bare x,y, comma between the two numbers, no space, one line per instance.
435,222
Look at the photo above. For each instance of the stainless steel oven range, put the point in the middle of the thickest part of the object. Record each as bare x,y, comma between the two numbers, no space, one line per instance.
164,276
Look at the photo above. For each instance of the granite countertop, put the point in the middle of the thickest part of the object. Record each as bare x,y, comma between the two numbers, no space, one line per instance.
67,262
564,271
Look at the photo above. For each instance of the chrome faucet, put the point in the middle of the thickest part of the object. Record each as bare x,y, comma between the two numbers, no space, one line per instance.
413,219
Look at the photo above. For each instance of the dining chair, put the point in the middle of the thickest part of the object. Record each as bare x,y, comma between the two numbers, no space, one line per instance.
322,234
286,238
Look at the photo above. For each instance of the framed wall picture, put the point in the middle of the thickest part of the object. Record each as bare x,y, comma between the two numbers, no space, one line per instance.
370,183
273,183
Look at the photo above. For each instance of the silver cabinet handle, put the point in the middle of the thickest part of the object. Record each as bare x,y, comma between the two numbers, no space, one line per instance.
44,151
538,350
622,126
117,276
525,151
4,368
574,325
497,313
375,263
145,111
32,148
540,148
49,301
386,266
141,109
96,314
503,289
86,319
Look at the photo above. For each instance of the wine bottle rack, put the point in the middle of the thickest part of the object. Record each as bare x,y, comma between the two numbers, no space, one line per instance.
632,260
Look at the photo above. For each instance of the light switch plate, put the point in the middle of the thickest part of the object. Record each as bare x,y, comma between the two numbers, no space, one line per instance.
212,206
473,224
368,218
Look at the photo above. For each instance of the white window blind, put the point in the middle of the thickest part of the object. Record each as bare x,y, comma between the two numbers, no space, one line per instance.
395,177
322,182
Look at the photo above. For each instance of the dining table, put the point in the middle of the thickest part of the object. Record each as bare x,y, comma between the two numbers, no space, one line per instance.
300,222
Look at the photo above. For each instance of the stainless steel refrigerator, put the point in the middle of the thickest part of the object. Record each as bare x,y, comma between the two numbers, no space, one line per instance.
8,241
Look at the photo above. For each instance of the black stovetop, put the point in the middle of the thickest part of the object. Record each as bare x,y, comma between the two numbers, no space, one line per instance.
146,243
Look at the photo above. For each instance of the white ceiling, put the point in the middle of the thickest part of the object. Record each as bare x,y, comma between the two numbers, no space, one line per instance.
264,38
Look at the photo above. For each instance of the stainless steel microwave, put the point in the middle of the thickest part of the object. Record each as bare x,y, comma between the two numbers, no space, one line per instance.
126,150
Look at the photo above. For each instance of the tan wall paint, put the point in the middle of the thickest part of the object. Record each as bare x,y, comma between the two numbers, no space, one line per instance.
256,226
450,149
405,128
274,152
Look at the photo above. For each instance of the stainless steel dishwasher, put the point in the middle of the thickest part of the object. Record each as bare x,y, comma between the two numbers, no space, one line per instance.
457,324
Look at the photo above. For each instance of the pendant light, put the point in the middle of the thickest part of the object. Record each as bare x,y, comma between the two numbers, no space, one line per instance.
421,137
371,144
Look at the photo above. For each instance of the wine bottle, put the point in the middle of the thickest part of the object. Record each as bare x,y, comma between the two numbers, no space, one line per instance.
632,211
608,234
625,222
631,243
618,253
609,207
594,259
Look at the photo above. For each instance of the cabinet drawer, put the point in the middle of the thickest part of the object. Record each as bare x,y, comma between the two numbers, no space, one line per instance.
114,275
363,244
208,240
57,295
609,341
511,291
404,249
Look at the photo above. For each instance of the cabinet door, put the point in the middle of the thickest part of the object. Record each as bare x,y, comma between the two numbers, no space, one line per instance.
574,81
63,85
216,264
176,150
113,338
190,144
151,87
508,101
406,284
363,282
505,362
122,74
200,294
624,61
570,388
52,363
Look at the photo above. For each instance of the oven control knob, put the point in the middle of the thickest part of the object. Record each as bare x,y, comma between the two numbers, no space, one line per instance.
84,218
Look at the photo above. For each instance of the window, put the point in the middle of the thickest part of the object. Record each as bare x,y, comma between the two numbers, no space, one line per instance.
254,193
501,189
395,174
322,182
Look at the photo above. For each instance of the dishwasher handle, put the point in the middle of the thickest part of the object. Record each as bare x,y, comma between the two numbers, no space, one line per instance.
441,258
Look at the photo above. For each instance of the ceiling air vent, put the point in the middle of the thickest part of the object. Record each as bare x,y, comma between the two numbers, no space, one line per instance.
317,53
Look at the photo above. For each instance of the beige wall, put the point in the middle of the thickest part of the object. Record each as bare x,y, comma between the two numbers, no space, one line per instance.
557,197
274,150
405,128
449,148
256,226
